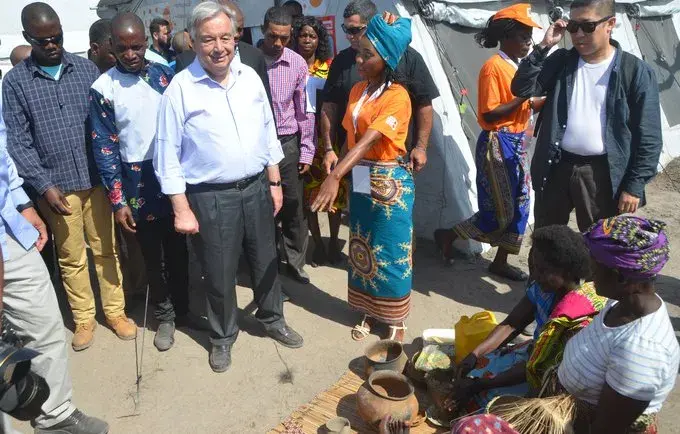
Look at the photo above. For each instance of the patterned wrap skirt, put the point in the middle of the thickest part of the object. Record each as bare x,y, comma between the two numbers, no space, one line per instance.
380,244
503,192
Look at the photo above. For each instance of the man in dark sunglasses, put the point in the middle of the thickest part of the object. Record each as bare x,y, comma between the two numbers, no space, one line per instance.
344,74
599,134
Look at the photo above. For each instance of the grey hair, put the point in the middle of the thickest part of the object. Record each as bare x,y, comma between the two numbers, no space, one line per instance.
207,11
366,9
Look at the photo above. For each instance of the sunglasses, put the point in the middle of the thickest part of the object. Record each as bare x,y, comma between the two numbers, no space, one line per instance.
587,26
352,30
44,42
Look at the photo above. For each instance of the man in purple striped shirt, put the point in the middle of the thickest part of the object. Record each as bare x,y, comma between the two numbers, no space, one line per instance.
287,72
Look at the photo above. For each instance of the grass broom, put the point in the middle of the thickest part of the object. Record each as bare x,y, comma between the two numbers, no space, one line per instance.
553,415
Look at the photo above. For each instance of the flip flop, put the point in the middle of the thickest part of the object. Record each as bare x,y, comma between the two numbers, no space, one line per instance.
509,272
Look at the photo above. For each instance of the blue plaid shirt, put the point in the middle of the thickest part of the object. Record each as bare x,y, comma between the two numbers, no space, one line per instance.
46,120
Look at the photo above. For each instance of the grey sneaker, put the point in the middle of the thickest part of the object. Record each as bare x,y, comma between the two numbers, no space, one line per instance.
77,423
165,336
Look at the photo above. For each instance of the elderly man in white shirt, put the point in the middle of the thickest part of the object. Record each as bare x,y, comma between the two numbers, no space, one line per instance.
217,156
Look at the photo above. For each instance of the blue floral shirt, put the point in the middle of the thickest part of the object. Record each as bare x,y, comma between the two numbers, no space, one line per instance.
123,112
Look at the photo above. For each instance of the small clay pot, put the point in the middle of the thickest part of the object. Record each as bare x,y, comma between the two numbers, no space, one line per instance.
338,425
385,355
386,393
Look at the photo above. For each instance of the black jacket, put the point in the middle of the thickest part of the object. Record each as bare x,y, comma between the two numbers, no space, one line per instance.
633,117
250,56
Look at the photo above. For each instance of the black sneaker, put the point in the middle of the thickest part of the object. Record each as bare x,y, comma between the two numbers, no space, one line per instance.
77,423
299,275
220,358
165,336
286,336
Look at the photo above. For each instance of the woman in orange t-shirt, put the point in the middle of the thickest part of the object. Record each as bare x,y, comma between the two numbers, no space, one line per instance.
503,180
381,202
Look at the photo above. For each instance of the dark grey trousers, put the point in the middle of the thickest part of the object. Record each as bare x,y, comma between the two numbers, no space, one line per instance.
293,224
232,221
581,184
167,267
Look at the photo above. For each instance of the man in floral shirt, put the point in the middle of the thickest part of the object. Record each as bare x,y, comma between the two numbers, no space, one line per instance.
123,108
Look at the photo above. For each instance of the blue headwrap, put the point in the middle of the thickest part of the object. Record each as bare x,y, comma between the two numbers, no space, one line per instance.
389,40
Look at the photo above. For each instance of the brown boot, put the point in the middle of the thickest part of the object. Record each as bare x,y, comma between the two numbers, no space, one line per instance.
124,327
83,337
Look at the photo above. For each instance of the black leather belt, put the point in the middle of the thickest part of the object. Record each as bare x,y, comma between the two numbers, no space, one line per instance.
236,185
572,158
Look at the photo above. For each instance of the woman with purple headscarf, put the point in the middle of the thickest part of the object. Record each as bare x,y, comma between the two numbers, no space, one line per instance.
624,364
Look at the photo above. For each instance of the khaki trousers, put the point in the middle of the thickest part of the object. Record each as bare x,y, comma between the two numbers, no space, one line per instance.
91,216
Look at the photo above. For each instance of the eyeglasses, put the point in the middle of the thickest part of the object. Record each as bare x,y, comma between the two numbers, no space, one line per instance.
587,26
44,42
353,30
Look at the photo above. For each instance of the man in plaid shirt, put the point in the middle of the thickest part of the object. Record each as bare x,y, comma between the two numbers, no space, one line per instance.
288,72
45,106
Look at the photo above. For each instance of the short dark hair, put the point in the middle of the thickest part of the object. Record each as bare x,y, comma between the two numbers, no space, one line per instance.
279,16
100,31
497,30
323,50
156,25
366,10
564,249
606,7
292,4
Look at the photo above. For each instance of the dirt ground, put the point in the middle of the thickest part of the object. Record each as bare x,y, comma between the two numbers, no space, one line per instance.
180,394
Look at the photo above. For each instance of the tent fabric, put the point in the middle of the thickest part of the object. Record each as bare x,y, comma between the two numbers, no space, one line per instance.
476,14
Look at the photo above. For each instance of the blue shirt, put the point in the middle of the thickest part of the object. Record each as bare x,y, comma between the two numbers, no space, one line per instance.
543,304
210,133
53,71
47,134
11,195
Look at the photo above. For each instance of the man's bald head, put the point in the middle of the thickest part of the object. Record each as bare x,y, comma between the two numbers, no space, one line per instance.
128,41
37,13
19,54
126,24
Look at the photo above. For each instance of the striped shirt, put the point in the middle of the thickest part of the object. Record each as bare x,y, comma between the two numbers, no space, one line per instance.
46,121
288,82
639,360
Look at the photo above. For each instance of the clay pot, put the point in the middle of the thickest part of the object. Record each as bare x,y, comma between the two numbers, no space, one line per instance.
338,425
385,355
386,393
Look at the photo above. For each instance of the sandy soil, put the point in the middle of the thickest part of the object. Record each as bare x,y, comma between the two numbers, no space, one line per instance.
180,394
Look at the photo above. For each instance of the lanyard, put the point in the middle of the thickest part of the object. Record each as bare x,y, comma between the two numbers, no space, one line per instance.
362,100
507,59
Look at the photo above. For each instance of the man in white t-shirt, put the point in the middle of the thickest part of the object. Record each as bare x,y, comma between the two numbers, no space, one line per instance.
599,136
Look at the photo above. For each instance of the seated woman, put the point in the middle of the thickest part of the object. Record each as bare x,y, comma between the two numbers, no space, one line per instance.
557,300
622,367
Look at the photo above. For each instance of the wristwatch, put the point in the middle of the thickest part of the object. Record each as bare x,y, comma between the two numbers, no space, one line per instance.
275,184
24,206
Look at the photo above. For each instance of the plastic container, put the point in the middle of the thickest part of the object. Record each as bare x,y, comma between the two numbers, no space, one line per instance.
471,331
439,336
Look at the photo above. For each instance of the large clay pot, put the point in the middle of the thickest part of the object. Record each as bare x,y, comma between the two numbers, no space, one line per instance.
385,355
386,392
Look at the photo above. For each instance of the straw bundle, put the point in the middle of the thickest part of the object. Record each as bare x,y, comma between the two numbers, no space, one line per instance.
553,415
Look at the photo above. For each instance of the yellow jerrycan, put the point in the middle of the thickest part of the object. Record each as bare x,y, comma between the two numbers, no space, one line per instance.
471,331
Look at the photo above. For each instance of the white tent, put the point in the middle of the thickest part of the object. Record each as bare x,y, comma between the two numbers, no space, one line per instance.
76,18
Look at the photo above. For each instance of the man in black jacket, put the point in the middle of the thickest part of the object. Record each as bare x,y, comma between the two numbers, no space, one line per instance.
599,136
248,54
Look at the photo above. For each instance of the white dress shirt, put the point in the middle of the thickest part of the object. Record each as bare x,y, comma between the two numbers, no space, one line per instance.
209,133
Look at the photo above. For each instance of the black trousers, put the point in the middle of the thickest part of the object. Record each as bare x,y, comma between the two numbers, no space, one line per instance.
294,228
576,183
167,267
231,221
